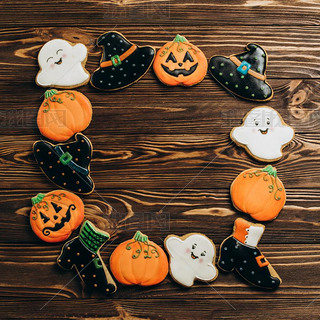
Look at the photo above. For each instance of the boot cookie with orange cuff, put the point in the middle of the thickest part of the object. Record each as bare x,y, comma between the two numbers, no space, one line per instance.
243,74
122,64
239,252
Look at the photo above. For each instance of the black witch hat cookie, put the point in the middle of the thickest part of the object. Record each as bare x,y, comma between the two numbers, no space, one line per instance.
82,253
67,165
122,64
243,74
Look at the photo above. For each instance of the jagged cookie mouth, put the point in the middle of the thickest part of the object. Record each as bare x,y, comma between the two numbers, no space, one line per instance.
264,131
193,256
59,61
177,72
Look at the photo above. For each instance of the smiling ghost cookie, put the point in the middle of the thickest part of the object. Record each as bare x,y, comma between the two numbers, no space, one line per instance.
243,74
122,64
67,164
192,257
263,134
179,62
62,65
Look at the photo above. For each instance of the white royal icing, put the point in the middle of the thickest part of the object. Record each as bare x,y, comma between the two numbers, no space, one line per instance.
253,236
263,133
191,259
60,64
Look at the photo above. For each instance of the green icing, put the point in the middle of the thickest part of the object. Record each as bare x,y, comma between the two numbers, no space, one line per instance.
179,38
220,73
212,67
246,87
226,82
252,95
51,95
37,199
231,74
221,64
92,238
237,86
242,77
141,238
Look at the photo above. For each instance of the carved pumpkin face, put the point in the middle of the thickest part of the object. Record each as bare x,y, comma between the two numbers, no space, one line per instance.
180,63
55,215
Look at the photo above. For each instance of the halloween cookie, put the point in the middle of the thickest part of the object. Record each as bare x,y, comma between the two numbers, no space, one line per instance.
122,64
243,74
139,261
82,254
67,164
62,65
192,257
263,134
239,252
63,113
180,63
55,215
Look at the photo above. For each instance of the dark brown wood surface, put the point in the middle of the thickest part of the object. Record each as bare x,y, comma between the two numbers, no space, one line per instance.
163,161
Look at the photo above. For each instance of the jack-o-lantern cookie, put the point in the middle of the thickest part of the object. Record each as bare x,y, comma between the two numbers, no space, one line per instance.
259,193
139,261
122,64
179,62
63,113
83,254
62,65
55,215
192,257
67,164
243,74
239,253
263,134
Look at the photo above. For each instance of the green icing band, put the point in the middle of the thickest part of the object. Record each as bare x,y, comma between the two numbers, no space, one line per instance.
142,238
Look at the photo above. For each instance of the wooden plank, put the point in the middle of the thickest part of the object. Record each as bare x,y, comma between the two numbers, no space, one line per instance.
160,212
161,12
293,51
166,161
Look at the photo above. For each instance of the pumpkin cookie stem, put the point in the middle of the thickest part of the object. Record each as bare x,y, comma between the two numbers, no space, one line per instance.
50,93
270,170
37,199
179,38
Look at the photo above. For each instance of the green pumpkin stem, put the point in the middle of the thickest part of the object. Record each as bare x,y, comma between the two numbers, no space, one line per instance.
37,199
140,237
270,170
179,38
50,93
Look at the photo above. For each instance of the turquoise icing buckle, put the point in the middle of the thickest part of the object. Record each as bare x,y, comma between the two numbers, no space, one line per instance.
115,60
244,67
65,158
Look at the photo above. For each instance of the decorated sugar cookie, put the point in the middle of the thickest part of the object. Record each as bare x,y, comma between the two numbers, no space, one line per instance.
192,257
67,164
243,74
259,193
263,134
139,261
62,65
122,64
180,63
239,253
63,113
83,254
55,215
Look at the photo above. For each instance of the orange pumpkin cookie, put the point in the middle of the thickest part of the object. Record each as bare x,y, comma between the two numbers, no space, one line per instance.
258,192
63,113
55,215
139,261
180,63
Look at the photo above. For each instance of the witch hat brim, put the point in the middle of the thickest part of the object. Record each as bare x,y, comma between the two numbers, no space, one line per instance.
243,74
122,63
67,165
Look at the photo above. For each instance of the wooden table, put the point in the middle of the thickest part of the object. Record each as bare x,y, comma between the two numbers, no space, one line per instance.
163,161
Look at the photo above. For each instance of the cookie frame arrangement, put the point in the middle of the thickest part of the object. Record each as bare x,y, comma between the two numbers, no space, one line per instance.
63,115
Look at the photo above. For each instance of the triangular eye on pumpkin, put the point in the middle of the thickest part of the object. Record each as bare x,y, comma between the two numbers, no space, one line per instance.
55,215
180,63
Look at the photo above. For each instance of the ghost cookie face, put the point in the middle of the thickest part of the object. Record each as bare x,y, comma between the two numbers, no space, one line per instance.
122,64
263,134
243,74
180,63
192,257
62,65
67,165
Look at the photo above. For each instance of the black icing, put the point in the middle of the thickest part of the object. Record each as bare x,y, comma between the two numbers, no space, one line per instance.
89,265
223,70
235,255
177,72
63,175
131,68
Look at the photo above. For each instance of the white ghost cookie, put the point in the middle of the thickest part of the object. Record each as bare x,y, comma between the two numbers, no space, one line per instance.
192,257
62,65
263,134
